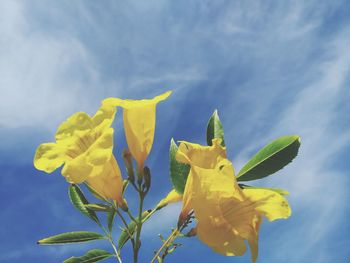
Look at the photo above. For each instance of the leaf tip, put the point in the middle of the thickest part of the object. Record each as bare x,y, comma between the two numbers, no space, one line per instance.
299,138
296,137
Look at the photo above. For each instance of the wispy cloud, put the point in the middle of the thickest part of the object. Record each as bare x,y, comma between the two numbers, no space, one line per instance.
318,189
42,74
271,69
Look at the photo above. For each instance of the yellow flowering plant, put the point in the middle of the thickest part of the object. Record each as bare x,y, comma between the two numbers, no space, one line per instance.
216,207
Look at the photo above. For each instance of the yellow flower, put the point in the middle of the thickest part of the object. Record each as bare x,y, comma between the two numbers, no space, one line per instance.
226,214
139,124
84,145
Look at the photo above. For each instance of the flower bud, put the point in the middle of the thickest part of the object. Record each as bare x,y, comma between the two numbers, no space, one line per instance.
128,164
124,205
146,178
125,185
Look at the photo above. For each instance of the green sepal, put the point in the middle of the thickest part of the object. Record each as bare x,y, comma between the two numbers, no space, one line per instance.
271,158
214,129
91,256
71,237
178,171
80,202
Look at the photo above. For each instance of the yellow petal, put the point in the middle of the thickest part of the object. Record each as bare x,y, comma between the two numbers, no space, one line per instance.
139,124
172,197
49,157
241,217
108,183
76,125
269,203
253,239
187,205
103,118
204,164
77,170
130,104
101,150
210,186
221,239
202,156
244,217
205,188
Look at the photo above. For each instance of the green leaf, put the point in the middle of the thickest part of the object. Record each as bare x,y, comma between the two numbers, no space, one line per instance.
277,190
110,219
71,237
214,129
99,207
125,235
178,171
79,201
91,256
271,158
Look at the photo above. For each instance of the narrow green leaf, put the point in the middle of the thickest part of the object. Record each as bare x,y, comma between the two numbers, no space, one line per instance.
125,235
214,129
91,256
71,237
271,158
79,201
110,219
178,171
277,190
99,207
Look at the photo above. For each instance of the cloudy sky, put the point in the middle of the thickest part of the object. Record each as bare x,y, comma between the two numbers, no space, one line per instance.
271,69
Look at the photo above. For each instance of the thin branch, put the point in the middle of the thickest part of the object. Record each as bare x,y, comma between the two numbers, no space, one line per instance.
166,242
126,228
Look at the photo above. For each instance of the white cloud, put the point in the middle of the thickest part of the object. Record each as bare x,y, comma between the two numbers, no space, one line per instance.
318,191
46,76
163,221
43,76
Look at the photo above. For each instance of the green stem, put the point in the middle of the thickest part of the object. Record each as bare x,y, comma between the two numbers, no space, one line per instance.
175,233
127,228
169,240
149,215
110,239
115,250
131,216
138,227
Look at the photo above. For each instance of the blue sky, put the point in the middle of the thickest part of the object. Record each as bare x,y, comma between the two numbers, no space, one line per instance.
270,69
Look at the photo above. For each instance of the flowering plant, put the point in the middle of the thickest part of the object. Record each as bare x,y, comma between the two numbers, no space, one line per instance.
216,207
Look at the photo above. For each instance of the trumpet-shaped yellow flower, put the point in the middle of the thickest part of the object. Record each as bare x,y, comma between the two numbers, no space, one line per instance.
139,124
84,145
226,214
198,156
